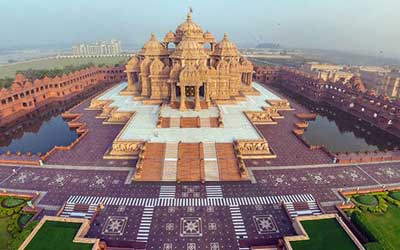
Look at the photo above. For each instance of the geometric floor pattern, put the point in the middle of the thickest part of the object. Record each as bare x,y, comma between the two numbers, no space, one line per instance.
177,202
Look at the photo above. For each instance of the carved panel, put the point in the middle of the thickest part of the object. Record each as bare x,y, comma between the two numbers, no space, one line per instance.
253,149
120,117
96,104
280,104
126,148
260,117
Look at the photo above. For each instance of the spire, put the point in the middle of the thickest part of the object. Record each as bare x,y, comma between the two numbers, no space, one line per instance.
225,37
189,17
153,37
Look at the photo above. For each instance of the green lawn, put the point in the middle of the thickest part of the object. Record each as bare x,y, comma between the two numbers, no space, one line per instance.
395,195
4,235
388,224
368,200
13,202
8,70
57,235
324,234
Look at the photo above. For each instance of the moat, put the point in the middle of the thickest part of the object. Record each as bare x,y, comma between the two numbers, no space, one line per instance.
40,136
338,131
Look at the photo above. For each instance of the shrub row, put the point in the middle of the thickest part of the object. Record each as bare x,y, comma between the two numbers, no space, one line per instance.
16,241
381,207
373,234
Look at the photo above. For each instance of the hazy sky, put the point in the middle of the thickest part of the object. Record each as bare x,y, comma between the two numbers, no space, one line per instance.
367,26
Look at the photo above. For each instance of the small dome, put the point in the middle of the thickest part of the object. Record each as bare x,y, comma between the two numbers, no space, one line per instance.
152,47
169,37
208,36
226,48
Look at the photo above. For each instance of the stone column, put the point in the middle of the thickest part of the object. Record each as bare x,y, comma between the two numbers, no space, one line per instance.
131,83
173,93
197,106
206,94
182,106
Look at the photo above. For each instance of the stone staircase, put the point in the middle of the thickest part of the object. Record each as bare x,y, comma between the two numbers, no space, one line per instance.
205,122
175,122
170,162
295,209
210,162
76,210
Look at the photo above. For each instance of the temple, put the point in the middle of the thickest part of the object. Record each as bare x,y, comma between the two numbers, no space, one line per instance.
189,65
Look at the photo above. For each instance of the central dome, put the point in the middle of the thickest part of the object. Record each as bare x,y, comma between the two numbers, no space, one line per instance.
189,48
190,26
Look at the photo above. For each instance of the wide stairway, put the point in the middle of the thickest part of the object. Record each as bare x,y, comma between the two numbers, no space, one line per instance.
153,162
190,162
175,122
173,161
205,122
227,162
170,162
211,170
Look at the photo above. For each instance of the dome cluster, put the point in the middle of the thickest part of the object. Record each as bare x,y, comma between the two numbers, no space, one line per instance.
190,41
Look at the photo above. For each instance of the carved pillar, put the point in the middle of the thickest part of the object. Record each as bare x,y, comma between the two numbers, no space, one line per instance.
207,95
144,86
130,80
182,106
197,106
131,84
173,93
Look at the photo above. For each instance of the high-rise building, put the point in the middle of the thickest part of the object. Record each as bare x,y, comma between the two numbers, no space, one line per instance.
99,48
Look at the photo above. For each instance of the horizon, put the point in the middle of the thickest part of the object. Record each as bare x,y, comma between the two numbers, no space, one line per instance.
310,24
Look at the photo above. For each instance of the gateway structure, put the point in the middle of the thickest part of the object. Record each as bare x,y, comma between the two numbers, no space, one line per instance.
189,66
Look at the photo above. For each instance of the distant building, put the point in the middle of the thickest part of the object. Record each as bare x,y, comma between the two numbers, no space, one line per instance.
99,48
328,72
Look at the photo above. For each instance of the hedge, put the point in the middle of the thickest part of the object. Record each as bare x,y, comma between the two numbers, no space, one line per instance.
360,220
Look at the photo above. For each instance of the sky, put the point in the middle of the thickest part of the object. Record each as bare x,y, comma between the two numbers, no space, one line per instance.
363,26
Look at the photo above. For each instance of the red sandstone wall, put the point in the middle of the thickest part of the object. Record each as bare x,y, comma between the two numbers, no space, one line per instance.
377,110
25,96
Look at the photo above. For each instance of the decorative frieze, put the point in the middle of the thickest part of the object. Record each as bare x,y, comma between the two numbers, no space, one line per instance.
253,149
260,117
97,104
119,117
280,104
126,148
273,112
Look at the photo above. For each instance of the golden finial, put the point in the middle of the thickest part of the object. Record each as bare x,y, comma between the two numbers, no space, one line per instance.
225,36
153,37
189,14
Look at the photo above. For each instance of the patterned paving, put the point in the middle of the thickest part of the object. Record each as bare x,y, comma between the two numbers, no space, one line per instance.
238,223
145,222
177,202
214,191
167,192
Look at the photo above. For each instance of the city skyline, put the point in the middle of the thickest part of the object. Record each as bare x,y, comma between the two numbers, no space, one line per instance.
289,23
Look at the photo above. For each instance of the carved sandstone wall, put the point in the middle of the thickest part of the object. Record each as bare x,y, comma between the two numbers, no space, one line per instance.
25,96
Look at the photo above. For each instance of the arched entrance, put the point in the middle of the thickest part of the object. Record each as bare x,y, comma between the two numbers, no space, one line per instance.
202,91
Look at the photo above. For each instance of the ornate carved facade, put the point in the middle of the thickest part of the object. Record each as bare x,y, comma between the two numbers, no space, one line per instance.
197,68
252,149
